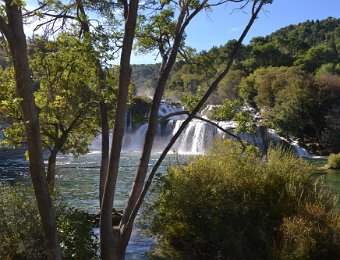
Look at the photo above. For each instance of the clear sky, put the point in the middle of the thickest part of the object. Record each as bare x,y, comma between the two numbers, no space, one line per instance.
221,25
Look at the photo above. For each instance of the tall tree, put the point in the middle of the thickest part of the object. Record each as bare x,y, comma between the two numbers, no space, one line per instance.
67,98
96,37
11,25
145,184
114,240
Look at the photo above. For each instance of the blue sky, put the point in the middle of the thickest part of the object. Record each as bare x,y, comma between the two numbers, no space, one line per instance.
221,25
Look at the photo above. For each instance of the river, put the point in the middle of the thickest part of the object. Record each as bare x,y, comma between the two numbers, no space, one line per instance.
77,184
78,180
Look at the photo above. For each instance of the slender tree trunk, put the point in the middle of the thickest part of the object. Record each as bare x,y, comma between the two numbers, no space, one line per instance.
153,119
150,135
113,245
105,130
105,148
52,159
24,84
257,6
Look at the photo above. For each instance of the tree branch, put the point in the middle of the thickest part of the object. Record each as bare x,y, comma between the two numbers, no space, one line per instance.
140,177
80,114
205,120
4,28
212,87
33,12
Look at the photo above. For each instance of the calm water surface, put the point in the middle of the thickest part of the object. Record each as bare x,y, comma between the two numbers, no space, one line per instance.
332,177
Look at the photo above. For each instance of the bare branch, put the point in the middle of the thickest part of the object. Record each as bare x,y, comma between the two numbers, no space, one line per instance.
192,15
178,113
62,15
4,28
33,12
212,87
80,114
205,120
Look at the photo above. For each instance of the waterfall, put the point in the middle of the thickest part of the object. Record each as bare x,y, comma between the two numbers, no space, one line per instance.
197,136
301,152
134,138
195,139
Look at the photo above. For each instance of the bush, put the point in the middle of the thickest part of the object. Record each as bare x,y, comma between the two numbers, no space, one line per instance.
313,233
20,230
235,205
334,161
21,235
78,240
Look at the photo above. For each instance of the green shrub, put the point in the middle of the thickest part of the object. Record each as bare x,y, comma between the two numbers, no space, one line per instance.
334,161
20,230
21,234
235,205
313,233
78,240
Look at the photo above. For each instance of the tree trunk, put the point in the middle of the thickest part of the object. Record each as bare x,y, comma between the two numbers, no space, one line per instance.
212,87
105,148
52,159
102,106
164,73
113,244
24,84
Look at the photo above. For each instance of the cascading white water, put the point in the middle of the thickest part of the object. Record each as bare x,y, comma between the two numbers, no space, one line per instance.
134,139
196,138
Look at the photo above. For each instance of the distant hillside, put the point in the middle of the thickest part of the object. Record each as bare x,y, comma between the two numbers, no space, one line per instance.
292,77
311,32
309,45
143,75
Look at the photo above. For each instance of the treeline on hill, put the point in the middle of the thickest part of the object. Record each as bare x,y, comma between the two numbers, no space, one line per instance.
143,75
292,77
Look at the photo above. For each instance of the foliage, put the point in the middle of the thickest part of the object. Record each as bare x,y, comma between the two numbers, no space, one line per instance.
235,205
142,76
334,161
232,110
309,45
10,107
66,86
156,30
3,53
190,100
311,234
139,110
316,57
67,95
20,228
21,234
227,110
78,240
330,137
229,86
296,103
